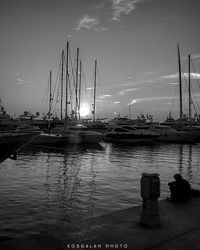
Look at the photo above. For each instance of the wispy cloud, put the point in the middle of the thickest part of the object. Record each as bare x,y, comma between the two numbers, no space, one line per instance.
90,23
122,7
173,83
153,98
90,88
105,96
195,56
193,75
175,76
126,91
132,102
23,82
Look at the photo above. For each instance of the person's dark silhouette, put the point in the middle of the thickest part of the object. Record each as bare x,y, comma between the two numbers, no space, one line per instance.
180,189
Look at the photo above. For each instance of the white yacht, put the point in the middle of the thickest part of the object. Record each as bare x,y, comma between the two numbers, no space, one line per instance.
129,134
169,134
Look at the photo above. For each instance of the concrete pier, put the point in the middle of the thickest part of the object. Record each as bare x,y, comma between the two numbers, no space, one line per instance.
179,229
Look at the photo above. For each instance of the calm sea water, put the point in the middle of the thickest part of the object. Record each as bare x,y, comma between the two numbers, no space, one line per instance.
48,187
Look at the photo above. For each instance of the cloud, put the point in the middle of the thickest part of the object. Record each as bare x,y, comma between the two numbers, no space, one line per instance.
132,102
175,76
153,98
104,96
195,56
122,7
25,83
90,23
20,81
172,76
173,83
90,88
193,75
126,91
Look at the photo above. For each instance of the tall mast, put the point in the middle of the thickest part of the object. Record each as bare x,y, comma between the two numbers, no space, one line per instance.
50,94
76,84
66,87
79,103
180,87
95,83
62,78
189,86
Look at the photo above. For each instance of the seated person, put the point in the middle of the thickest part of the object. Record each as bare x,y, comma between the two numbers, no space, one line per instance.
180,189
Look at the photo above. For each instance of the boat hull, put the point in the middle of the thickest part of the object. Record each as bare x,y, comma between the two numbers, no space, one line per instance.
177,138
130,138
49,139
12,142
84,137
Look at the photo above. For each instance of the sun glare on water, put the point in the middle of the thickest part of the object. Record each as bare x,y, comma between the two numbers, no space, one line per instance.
84,110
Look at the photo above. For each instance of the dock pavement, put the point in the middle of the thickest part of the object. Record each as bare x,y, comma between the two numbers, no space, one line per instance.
179,230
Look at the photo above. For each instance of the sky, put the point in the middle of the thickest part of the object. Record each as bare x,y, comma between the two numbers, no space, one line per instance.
133,41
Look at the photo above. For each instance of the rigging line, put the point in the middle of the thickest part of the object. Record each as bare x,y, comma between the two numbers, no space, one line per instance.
84,83
73,80
185,81
195,74
190,96
170,107
192,102
198,86
70,94
56,85
70,59
44,103
87,58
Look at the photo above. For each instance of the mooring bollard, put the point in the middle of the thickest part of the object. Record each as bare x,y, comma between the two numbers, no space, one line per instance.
150,191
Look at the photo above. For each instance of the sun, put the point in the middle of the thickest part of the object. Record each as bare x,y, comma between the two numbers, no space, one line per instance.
84,110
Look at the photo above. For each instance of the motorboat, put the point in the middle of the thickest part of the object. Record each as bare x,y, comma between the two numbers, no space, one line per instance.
169,134
129,134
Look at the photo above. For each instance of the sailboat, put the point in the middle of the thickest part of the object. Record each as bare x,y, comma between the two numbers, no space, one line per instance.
76,133
95,124
169,134
49,139
190,127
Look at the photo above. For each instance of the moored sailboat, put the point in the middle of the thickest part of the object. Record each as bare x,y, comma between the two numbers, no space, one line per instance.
75,133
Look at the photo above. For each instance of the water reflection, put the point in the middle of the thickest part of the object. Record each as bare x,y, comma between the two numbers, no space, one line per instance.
46,187
190,163
181,159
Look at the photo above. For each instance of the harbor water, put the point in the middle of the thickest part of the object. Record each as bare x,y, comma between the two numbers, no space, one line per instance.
46,188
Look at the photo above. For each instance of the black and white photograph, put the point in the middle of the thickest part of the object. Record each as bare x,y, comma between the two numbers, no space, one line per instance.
99,124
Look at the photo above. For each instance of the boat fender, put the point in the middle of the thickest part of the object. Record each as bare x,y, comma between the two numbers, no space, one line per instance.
13,156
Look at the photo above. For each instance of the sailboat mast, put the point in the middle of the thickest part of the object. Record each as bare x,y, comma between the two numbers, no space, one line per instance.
50,94
66,87
189,86
79,105
76,85
180,87
62,78
95,83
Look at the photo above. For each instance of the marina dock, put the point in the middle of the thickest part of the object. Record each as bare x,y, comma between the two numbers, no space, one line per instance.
179,229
